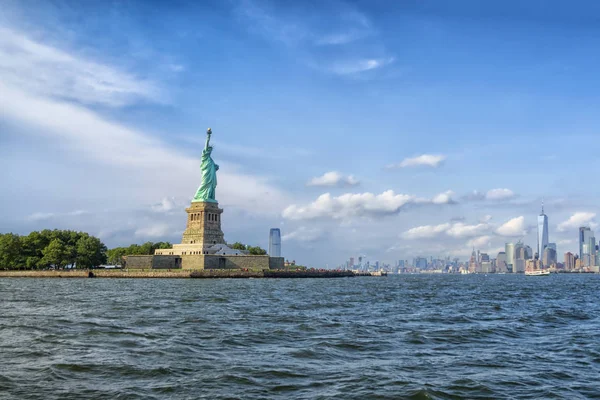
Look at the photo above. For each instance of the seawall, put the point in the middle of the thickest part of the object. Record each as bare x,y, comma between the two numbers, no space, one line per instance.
179,273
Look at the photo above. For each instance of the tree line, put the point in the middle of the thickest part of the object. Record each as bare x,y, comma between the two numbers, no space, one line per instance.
51,249
254,250
115,256
59,249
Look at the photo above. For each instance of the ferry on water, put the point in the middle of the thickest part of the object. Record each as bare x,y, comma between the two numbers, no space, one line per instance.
537,272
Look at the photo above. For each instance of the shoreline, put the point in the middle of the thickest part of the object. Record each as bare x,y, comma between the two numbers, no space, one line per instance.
179,274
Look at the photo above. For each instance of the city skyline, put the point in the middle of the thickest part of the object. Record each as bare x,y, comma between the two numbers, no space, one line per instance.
345,129
514,258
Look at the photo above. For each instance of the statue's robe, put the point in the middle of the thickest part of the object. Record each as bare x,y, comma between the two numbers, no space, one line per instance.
208,168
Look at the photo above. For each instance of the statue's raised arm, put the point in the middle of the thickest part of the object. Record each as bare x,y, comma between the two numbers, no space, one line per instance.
208,133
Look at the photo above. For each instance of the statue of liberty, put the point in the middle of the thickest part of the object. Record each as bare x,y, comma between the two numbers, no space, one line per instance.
206,191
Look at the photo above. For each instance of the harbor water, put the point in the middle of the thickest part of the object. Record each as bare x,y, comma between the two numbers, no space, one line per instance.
407,336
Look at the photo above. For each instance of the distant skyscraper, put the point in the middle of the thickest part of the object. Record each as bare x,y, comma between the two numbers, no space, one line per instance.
569,261
509,249
585,233
542,227
501,262
549,257
275,242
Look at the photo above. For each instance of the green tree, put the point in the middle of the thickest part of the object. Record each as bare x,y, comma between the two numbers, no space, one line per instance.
238,246
55,254
10,251
115,256
90,251
256,251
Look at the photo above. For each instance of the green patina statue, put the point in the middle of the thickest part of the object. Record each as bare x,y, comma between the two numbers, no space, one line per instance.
206,191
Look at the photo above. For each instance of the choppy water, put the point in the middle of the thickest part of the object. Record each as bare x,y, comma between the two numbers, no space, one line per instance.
415,337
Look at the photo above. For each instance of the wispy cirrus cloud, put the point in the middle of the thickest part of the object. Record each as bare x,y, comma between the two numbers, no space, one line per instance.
49,71
424,160
346,44
351,67
43,108
46,216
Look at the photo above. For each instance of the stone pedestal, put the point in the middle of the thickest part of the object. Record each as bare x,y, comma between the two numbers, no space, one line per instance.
203,225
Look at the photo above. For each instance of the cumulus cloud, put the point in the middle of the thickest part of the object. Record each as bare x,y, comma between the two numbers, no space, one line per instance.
499,194
577,220
455,230
461,230
169,204
480,242
425,231
351,205
444,198
333,178
513,227
425,160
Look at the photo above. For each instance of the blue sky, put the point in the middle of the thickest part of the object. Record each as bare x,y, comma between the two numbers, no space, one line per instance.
389,129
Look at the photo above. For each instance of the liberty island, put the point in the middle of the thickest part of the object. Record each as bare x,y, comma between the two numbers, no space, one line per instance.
203,244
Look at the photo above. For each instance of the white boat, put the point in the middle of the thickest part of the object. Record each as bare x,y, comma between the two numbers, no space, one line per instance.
537,272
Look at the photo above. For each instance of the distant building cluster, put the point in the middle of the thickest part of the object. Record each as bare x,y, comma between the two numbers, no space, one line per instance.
516,258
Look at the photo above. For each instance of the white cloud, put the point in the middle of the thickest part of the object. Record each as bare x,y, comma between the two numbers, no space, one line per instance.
303,234
351,205
425,160
333,178
513,227
169,204
425,231
577,220
480,242
461,230
49,71
455,230
444,198
499,194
